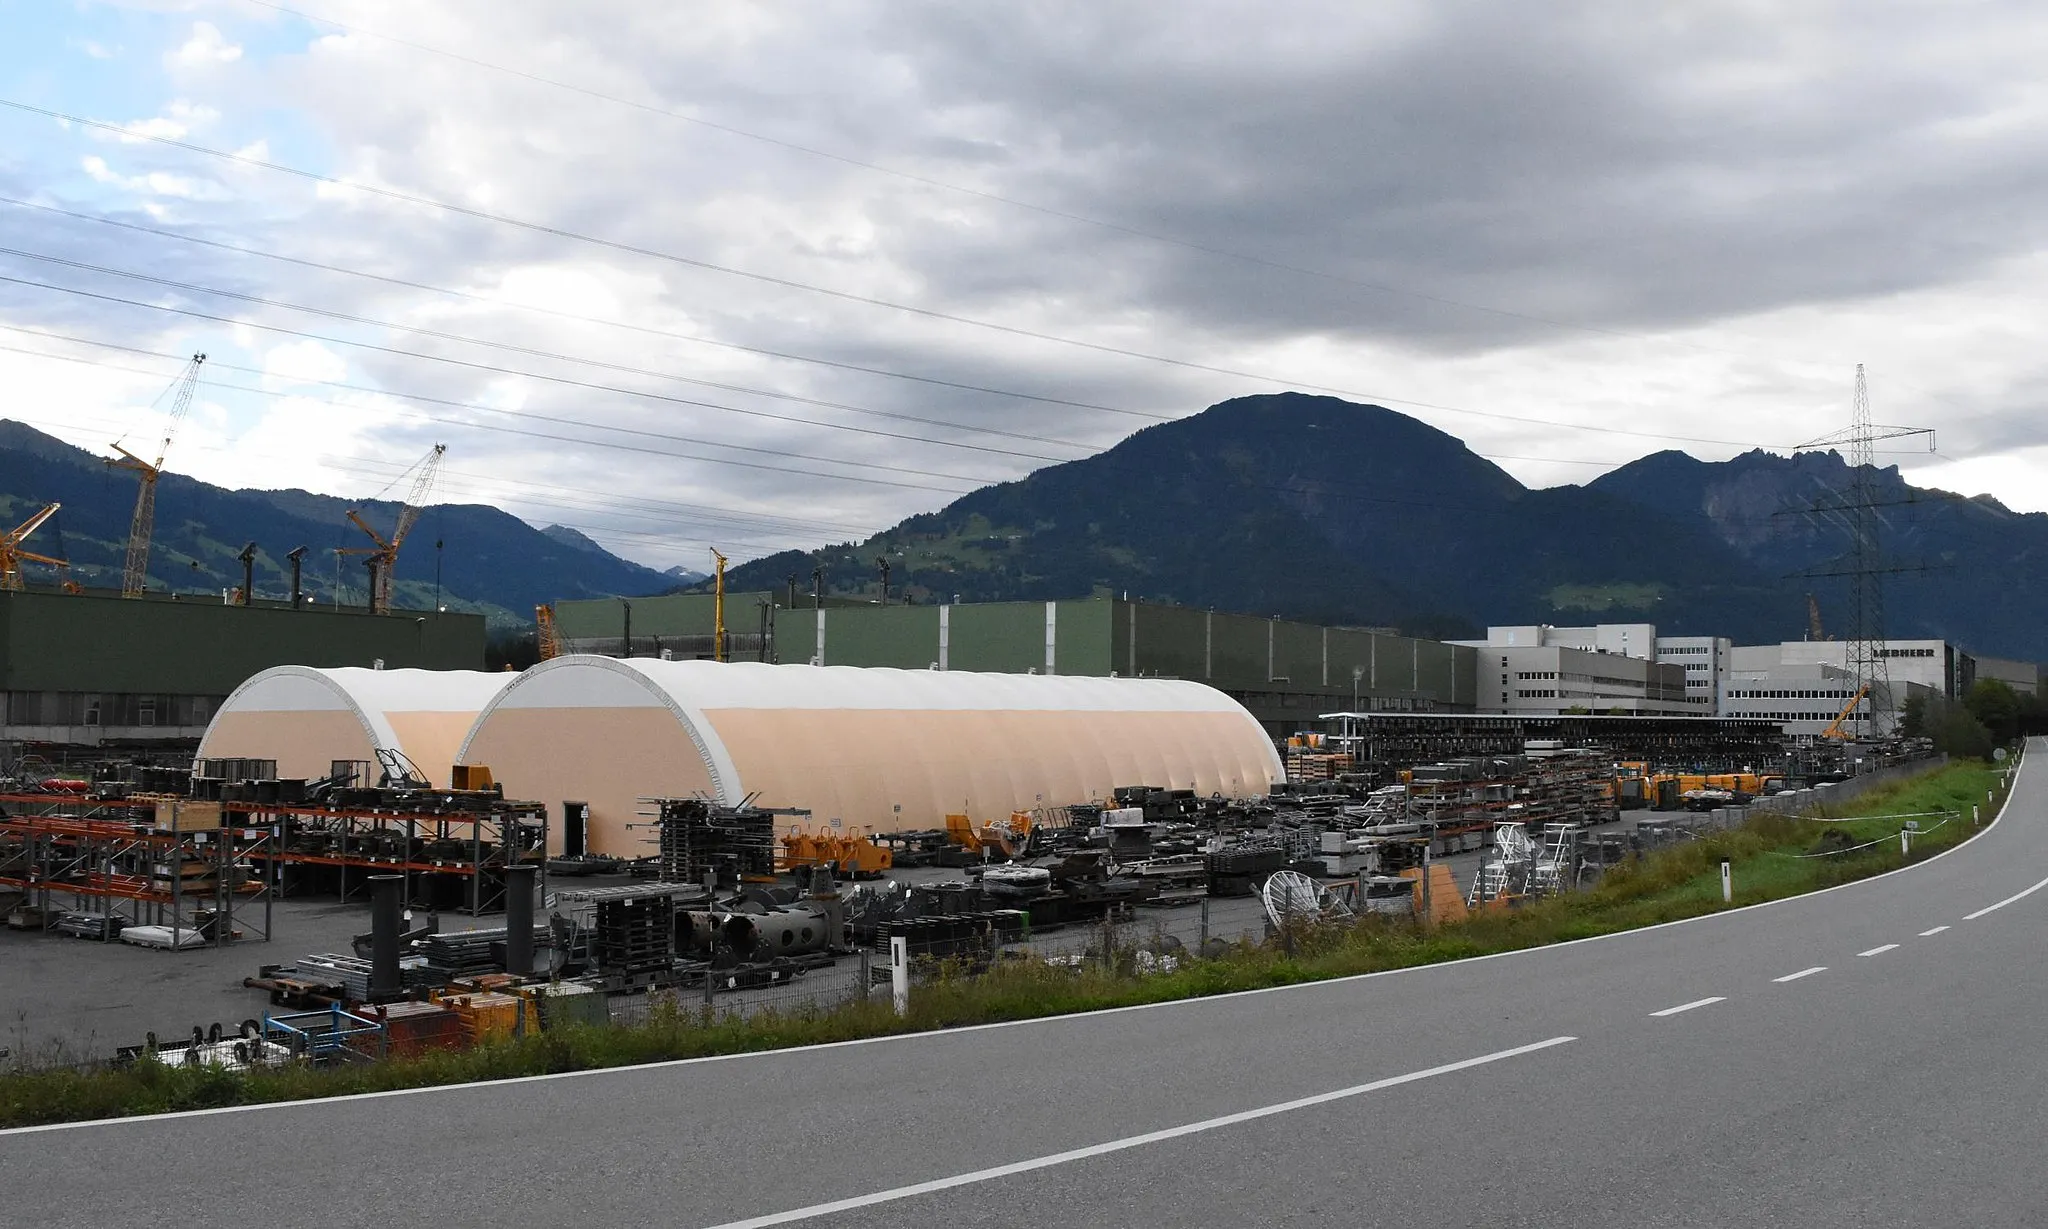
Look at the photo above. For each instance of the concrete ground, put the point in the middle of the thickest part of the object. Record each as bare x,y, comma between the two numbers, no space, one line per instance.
71,999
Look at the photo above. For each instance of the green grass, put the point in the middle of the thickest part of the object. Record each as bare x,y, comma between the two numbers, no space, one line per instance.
1670,884
1626,595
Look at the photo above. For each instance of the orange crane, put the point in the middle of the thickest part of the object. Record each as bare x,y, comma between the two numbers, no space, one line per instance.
1835,729
549,640
12,556
135,571
383,557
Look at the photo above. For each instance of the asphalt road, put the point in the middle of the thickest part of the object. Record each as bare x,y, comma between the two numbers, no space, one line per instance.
1899,1081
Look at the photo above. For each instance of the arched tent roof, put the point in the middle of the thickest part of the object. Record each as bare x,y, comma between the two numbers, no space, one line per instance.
879,748
306,717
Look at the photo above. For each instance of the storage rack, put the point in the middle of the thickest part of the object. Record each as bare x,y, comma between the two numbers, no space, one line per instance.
427,848
1387,742
108,857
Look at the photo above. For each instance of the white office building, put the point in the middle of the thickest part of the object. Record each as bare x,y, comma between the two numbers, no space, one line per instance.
1707,661
1806,684
1702,662
1518,679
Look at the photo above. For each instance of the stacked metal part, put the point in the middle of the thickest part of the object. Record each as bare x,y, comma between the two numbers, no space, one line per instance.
463,953
700,837
352,973
90,925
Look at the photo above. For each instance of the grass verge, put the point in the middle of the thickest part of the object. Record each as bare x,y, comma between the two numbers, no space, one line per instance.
1670,884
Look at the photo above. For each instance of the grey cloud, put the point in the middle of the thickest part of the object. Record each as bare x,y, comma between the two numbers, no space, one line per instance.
1606,165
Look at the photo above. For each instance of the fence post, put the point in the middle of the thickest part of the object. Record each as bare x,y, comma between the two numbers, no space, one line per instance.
1109,941
709,987
1203,943
899,972
1727,882
866,968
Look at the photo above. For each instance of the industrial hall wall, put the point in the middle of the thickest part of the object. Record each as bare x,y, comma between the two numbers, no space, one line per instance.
877,748
67,642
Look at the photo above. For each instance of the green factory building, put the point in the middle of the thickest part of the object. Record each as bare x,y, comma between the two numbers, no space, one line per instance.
83,670
1285,673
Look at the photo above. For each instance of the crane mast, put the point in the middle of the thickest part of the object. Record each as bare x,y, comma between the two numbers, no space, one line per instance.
718,609
142,526
383,557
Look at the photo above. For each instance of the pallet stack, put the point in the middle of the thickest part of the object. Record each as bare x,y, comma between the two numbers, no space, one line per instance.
635,934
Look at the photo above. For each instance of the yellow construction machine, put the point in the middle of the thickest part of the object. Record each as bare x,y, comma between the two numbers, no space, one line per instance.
1007,837
1835,728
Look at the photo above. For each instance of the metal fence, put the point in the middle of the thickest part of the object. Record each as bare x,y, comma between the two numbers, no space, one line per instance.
1834,794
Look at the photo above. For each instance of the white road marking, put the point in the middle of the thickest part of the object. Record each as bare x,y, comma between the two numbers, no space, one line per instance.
1132,1141
1672,1011
1819,968
1878,951
1971,917
1937,930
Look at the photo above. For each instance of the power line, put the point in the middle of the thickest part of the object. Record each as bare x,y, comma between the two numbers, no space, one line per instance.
835,364
496,485
533,352
198,289
791,283
674,336
567,439
1328,490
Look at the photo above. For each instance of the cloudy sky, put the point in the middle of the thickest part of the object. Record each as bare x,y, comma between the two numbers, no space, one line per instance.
763,275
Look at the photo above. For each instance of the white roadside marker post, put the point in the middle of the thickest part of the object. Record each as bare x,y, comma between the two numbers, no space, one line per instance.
1727,882
899,972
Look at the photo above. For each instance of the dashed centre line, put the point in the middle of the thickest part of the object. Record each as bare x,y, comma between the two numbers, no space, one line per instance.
1878,951
1937,930
1672,1011
1819,968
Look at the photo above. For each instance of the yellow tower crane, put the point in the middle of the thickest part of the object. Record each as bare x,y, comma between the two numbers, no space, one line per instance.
718,608
383,557
12,556
135,571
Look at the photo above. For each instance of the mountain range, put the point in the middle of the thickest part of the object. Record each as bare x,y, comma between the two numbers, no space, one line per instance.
465,556
1287,504
1321,509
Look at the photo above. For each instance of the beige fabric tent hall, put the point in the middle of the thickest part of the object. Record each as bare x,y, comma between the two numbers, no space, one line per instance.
880,749
306,717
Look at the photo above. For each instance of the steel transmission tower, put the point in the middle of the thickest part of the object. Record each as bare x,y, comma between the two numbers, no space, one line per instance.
1865,565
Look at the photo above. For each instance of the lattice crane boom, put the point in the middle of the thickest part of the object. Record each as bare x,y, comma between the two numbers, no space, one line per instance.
383,557
12,556
142,526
